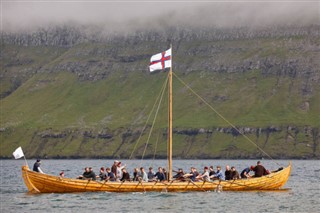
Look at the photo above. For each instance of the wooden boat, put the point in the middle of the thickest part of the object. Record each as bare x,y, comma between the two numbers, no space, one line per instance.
44,183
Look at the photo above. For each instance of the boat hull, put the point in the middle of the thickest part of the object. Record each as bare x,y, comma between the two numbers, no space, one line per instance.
44,183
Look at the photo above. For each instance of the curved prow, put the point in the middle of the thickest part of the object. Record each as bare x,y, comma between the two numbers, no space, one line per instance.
283,175
27,181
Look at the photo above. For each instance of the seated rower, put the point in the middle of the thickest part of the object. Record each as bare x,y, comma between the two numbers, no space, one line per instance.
234,174
102,174
259,170
227,173
205,175
110,175
165,173
86,174
246,172
136,174
143,175
151,174
219,174
192,175
179,175
92,175
211,171
125,175
160,176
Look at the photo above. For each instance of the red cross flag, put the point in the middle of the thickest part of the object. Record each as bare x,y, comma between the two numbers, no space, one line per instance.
160,61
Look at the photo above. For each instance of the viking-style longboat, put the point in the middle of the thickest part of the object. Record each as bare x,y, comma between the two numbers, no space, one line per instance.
44,183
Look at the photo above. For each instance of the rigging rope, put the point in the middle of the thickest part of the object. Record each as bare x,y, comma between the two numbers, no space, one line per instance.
228,122
154,105
155,118
155,149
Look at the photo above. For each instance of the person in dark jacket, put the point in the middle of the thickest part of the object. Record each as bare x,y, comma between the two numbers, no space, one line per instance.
179,175
227,173
246,172
110,175
234,174
160,175
92,175
85,174
211,171
136,174
192,175
125,175
259,170
36,166
102,174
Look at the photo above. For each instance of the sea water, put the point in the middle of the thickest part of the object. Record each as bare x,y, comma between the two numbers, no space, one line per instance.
300,194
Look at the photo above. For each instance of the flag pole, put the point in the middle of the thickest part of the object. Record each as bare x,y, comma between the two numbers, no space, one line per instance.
25,160
170,122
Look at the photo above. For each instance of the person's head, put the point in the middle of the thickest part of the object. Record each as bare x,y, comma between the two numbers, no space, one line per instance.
102,169
218,168
211,168
62,173
233,168
116,162
135,169
90,169
258,163
180,170
192,169
119,164
38,161
227,167
123,169
142,169
108,169
251,167
205,168
160,169
150,169
86,169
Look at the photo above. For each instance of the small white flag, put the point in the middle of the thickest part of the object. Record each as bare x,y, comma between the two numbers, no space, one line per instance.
18,153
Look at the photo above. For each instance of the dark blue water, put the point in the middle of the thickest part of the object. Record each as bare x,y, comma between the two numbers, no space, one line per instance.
303,194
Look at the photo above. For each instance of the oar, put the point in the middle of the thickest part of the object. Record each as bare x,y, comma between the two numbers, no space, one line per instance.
190,181
142,186
103,183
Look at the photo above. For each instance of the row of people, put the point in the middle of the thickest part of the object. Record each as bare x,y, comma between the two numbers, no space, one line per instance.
119,173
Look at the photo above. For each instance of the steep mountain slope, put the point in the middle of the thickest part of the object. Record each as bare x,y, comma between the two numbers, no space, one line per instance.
66,94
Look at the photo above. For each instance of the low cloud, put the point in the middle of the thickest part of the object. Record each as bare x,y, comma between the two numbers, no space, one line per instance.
133,15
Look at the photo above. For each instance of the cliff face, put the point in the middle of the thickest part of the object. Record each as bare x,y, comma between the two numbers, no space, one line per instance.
265,80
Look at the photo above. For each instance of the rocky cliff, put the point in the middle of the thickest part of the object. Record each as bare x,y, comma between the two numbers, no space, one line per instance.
265,80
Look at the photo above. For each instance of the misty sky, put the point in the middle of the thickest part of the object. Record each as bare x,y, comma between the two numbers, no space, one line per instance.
131,15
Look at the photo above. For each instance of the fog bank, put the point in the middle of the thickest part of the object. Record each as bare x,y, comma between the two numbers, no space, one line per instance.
138,15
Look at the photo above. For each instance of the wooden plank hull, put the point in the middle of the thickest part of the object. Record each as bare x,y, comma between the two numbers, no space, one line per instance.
44,183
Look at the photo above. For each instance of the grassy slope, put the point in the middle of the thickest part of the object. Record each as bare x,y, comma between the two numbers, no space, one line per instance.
59,101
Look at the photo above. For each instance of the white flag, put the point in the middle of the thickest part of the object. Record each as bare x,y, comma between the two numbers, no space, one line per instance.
18,153
160,61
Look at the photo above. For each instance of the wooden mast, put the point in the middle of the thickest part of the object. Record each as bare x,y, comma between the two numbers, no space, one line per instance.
170,122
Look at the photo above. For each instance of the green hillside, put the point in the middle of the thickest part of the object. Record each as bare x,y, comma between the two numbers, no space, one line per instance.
93,99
